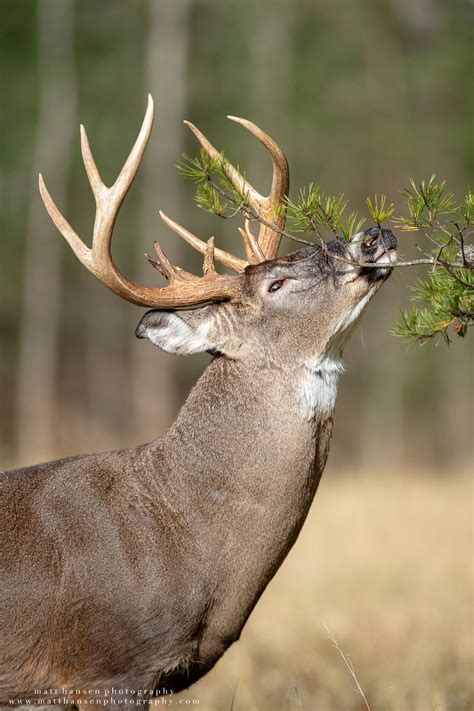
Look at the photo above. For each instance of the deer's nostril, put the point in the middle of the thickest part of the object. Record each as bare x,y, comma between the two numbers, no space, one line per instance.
389,239
371,240
375,236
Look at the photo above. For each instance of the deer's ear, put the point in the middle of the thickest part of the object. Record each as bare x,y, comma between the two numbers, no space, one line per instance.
182,334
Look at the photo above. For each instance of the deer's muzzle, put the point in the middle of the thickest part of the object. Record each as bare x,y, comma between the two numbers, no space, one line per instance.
377,242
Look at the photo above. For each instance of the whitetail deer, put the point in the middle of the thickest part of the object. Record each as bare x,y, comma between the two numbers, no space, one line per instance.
136,569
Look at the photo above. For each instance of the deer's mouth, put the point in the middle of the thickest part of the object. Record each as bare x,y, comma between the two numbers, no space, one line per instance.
382,271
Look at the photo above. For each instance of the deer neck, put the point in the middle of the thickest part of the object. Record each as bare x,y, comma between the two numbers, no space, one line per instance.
247,434
244,459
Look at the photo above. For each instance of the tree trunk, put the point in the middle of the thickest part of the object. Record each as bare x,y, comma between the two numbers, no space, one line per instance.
39,330
269,81
155,398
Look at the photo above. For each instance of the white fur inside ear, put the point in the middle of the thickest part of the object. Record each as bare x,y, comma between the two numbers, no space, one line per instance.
176,336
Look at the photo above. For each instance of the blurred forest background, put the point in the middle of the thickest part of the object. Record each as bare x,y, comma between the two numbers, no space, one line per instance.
361,95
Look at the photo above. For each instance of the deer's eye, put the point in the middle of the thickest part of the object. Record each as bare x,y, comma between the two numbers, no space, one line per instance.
275,285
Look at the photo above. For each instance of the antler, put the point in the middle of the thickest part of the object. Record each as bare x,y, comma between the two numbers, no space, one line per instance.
271,208
184,289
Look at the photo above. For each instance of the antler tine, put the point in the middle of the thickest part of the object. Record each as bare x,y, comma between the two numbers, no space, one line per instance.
109,200
82,252
209,257
252,248
225,258
184,289
271,207
238,181
280,178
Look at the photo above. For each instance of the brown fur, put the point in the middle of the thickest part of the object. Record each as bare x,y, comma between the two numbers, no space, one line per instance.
138,568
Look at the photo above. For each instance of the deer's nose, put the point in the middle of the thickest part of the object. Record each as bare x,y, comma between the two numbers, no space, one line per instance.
376,237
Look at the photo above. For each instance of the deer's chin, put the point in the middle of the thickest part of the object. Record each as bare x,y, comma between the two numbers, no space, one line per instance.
376,275
367,282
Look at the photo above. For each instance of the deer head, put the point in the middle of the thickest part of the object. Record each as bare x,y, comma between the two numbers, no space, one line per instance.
287,311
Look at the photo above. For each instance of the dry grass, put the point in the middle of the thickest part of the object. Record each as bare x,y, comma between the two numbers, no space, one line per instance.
386,563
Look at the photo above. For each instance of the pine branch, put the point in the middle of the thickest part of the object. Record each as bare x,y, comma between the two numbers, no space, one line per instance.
443,302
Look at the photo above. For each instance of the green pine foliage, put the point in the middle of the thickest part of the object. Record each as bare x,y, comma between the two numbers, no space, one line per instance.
214,191
443,302
314,210
443,305
426,203
378,209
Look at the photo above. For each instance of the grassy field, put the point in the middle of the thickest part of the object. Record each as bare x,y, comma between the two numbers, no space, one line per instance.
386,564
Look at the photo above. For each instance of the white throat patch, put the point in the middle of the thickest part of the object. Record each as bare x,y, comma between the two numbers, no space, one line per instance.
319,386
319,383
